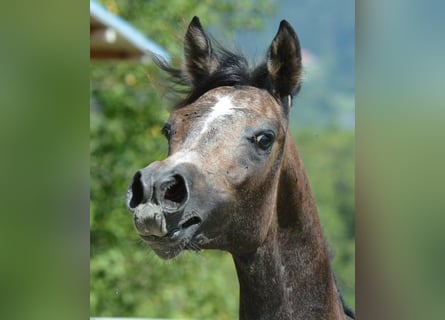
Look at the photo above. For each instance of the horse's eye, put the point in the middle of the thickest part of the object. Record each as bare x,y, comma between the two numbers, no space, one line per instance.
264,140
166,130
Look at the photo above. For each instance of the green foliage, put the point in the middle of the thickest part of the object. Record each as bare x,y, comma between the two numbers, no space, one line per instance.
128,109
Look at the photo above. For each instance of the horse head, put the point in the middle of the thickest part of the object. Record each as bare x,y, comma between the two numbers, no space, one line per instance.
217,187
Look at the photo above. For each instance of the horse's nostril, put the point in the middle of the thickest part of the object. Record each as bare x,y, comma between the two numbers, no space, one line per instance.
137,191
170,193
174,193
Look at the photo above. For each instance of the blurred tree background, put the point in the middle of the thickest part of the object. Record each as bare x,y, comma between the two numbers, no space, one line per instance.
128,108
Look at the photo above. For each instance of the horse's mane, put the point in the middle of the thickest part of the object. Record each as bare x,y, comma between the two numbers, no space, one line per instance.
232,70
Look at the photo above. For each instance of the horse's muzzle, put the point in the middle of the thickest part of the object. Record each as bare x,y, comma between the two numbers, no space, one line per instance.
157,199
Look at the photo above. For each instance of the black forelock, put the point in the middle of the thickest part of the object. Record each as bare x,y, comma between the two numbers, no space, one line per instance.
233,70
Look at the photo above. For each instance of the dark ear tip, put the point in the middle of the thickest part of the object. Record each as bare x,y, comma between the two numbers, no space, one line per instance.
195,23
284,25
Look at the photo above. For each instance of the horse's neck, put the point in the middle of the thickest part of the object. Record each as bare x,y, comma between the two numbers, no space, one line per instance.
289,276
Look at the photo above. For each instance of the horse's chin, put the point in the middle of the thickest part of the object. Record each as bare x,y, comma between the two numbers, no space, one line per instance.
167,253
176,241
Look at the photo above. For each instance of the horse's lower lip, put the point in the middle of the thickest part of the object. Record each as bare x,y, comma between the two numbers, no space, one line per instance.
183,227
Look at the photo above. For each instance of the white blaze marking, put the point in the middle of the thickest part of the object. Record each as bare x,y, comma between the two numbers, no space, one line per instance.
222,108
185,157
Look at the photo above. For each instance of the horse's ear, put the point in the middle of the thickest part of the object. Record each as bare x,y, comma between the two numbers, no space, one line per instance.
200,61
284,63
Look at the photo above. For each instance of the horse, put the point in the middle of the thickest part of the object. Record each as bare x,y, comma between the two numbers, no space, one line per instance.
233,180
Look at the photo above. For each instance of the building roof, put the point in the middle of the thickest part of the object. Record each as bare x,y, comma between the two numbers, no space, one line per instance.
111,37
